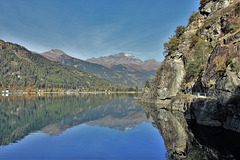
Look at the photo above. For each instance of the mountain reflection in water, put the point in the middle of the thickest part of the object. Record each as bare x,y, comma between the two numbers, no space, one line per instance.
119,113
53,114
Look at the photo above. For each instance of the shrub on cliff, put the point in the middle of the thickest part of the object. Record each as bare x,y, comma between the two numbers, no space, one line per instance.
179,31
172,45
220,62
193,17
147,85
235,65
154,80
202,50
203,3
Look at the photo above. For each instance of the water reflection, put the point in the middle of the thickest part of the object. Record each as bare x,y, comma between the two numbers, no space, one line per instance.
119,113
52,114
77,127
187,140
98,124
21,115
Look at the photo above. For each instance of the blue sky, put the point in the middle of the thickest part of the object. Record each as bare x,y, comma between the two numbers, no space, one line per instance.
94,28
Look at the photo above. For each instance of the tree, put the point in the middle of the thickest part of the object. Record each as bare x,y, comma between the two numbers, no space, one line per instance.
136,88
202,50
193,17
130,89
172,45
179,31
147,84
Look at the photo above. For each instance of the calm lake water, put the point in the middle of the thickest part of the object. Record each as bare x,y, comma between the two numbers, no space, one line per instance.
77,127
111,127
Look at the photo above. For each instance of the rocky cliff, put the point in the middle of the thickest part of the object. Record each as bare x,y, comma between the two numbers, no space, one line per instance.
205,61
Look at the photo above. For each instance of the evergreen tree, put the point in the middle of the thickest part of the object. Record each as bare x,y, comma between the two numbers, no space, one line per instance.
147,84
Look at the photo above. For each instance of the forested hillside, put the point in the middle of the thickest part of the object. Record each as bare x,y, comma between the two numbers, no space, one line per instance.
21,69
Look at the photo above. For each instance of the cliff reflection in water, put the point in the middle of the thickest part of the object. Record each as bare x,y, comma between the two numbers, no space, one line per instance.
53,114
188,140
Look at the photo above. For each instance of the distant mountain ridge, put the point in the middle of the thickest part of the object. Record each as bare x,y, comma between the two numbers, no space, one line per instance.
54,54
128,71
21,69
126,59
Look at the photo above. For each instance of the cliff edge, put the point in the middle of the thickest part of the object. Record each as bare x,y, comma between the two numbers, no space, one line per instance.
201,71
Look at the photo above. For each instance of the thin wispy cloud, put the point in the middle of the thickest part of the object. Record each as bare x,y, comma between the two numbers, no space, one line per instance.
93,28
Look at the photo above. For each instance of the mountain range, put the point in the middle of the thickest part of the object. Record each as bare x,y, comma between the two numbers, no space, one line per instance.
126,60
122,69
21,68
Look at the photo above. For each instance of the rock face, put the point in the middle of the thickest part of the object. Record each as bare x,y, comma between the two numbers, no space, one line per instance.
170,78
206,62
213,6
212,113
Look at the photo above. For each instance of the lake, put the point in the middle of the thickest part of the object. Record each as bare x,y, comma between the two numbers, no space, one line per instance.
89,126
77,127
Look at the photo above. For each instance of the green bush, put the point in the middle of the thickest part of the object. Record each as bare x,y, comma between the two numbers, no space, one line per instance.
172,45
192,17
220,62
147,84
193,70
202,50
194,41
179,31
235,66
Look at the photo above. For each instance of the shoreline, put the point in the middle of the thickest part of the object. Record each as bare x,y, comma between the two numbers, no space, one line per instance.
23,93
